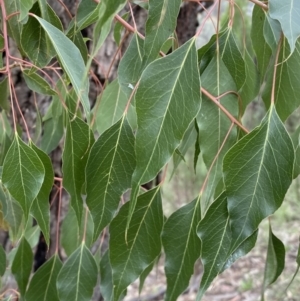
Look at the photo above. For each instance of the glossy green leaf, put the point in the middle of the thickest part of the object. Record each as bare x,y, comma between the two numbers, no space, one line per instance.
43,283
161,22
2,261
108,173
275,260
40,208
78,276
111,106
287,13
128,259
182,247
214,125
4,93
130,68
37,83
23,174
12,212
78,142
32,235
164,112
258,171
262,49
53,132
22,264
87,13
71,237
287,88
67,53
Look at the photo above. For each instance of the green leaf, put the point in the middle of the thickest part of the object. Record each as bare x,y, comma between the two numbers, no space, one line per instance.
275,260
40,208
287,88
71,237
161,22
12,212
4,93
37,83
182,247
216,237
43,283
14,26
188,140
111,106
215,234
287,13
258,171
53,132
145,273
260,46
128,258
164,112
119,28
22,264
2,261
68,53
79,139
25,6
272,32
109,9
109,171
23,174
32,235
34,40
214,125
78,276
130,68
296,141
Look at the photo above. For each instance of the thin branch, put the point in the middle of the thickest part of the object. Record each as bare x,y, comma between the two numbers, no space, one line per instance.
214,99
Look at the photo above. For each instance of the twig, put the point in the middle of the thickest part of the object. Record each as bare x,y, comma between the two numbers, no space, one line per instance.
261,4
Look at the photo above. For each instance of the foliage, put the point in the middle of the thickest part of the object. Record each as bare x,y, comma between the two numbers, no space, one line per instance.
159,106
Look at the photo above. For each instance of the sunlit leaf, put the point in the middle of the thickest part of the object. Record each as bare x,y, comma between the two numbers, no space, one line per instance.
182,247
164,112
108,173
287,13
258,171
78,142
23,174
78,276
43,283
22,264
143,234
